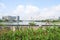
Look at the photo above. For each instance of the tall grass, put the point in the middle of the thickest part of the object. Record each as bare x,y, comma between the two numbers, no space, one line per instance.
45,33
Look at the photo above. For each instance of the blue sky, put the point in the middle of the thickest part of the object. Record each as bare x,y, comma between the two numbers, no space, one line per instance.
39,3
38,9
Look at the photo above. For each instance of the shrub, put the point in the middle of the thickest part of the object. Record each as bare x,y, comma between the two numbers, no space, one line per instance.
30,34
32,24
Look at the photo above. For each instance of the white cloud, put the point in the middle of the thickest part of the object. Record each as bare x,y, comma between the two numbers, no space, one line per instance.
19,9
2,6
31,9
28,11
50,12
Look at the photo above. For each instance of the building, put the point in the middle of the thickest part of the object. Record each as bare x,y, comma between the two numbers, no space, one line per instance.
59,18
9,18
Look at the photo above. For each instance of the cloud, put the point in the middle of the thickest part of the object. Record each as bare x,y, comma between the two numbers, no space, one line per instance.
19,9
27,11
34,12
51,12
2,6
31,9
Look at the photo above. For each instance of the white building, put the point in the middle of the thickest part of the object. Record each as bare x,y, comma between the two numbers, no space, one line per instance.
9,18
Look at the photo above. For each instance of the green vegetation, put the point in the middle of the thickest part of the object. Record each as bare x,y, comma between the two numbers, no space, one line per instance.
32,24
1,20
45,33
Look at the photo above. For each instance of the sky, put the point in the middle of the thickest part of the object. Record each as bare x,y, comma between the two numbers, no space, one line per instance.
30,9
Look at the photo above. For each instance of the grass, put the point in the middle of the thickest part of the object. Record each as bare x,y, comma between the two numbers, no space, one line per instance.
42,33
56,22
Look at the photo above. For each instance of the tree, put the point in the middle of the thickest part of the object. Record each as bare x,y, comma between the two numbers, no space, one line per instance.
48,21
32,24
1,20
